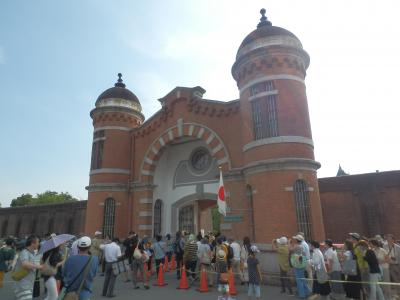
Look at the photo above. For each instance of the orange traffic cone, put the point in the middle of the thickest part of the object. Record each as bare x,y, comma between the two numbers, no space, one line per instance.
166,265
231,281
160,277
203,281
173,263
183,284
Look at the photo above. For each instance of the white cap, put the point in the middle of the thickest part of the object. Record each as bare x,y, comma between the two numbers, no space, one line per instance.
282,241
97,233
84,242
254,249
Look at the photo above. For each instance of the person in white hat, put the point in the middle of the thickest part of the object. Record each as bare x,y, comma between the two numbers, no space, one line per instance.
97,241
255,277
80,268
281,247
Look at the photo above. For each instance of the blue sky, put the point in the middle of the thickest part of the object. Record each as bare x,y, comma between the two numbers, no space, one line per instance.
56,57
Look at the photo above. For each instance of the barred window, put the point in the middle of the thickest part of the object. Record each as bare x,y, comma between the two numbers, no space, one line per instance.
109,218
302,203
265,120
157,217
97,155
260,87
186,218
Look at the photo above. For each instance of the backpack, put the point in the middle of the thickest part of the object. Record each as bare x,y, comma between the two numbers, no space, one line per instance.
176,246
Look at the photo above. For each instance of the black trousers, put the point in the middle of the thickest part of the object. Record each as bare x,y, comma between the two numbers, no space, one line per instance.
109,281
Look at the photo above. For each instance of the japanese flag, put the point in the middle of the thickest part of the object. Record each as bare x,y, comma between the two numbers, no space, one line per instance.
221,195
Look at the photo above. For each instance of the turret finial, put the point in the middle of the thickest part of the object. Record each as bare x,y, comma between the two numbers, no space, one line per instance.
263,20
120,83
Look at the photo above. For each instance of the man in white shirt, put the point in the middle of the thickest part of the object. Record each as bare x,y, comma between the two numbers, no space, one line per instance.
112,252
235,263
334,269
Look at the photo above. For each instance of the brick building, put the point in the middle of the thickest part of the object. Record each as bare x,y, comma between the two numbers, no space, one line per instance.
161,175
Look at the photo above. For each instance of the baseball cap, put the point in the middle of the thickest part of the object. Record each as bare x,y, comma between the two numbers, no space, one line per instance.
84,242
254,249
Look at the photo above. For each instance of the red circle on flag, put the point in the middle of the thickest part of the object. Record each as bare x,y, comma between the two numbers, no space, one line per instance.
221,193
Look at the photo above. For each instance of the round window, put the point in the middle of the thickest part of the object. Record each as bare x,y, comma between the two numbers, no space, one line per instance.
201,160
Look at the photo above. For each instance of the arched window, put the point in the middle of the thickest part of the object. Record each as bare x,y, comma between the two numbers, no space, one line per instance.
109,217
302,208
157,217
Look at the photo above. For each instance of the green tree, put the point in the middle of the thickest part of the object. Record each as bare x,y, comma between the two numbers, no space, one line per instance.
47,197
53,197
24,199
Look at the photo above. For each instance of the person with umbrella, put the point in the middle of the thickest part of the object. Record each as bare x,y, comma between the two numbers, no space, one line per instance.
53,261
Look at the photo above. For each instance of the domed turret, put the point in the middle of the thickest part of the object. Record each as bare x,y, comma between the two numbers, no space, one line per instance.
119,95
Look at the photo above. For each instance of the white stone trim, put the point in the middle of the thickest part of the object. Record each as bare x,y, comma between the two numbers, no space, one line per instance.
147,172
145,227
289,189
217,148
200,133
145,200
270,41
110,171
112,128
278,164
210,139
191,128
222,161
171,135
155,151
148,160
310,189
98,139
161,141
263,94
145,213
271,77
278,139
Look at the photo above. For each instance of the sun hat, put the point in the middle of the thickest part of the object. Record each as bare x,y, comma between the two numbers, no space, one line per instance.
84,242
282,240
355,235
299,237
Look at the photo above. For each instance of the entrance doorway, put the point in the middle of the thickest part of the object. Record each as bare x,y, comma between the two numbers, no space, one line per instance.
197,216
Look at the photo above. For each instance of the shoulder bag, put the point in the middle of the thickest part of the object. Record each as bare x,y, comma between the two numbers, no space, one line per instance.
74,295
48,270
350,266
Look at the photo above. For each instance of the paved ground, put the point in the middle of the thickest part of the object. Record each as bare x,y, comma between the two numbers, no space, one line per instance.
125,291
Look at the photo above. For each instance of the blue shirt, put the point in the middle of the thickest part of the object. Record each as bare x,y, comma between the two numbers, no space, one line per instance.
73,266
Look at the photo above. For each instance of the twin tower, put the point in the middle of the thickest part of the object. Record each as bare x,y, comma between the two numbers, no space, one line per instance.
160,176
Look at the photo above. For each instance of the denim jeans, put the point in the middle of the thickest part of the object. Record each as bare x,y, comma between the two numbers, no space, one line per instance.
375,289
302,286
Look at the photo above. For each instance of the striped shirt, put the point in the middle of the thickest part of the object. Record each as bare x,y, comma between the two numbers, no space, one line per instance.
190,252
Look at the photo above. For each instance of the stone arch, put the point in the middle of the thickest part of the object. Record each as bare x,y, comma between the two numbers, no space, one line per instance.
190,130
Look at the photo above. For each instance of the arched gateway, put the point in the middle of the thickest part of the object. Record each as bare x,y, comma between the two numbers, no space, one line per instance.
163,173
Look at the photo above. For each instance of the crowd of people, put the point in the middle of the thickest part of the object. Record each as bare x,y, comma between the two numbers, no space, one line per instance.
360,268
